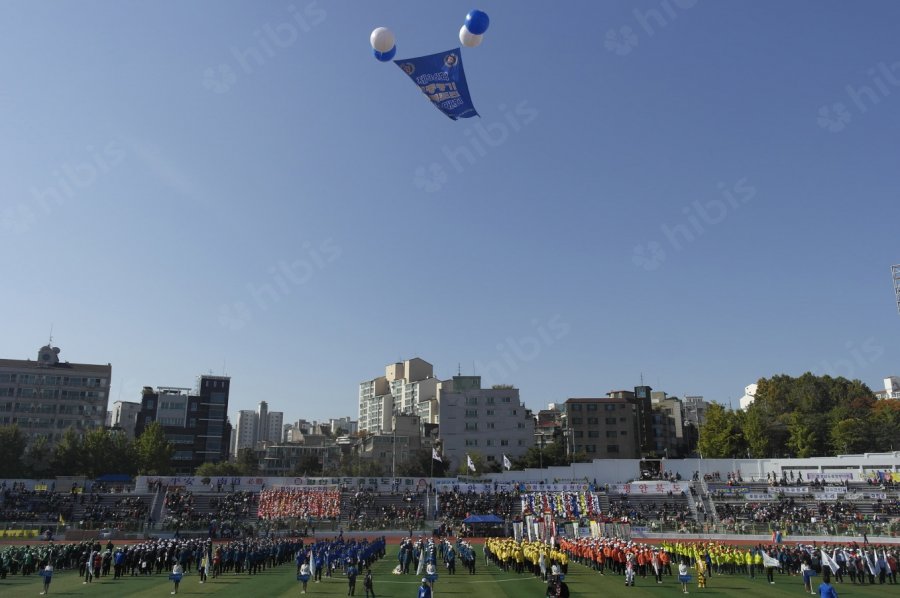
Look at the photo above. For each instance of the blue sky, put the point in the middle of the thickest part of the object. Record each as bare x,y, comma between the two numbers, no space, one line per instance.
700,192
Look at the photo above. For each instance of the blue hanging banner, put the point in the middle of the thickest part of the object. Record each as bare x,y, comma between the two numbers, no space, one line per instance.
441,77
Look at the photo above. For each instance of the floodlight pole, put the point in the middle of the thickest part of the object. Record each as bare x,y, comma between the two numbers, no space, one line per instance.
895,274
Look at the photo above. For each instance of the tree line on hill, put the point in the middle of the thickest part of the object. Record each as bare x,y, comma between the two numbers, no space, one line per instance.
99,451
808,416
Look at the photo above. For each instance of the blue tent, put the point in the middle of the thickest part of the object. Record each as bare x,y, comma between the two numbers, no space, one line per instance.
483,519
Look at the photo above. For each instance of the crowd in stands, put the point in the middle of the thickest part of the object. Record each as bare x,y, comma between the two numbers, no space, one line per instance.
283,503
788,510
390,517
127,509
20,504
459,505
234,505
627,511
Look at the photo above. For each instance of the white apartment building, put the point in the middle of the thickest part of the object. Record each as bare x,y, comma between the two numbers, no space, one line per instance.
403,390
492,422
124,415
253,427
47,396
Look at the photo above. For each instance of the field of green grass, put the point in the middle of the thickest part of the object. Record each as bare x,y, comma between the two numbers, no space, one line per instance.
489,582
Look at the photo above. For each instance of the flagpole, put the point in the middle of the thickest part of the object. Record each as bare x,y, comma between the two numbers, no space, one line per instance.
431,483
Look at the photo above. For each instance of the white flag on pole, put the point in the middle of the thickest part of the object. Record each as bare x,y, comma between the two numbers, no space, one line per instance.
507,463
769,561
830,562
470,463
435,455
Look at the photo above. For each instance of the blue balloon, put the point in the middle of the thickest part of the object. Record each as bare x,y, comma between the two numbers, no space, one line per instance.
477,22
385,56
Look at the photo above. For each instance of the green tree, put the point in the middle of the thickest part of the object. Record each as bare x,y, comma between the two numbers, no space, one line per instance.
849,436
221,469
154,451
307,465
884,424
123,457
107,451
68,456
420,464
37,457
804,437
720,436
12,451
756,429
248,461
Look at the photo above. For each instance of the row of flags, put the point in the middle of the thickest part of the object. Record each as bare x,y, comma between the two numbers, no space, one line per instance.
830,562
469,463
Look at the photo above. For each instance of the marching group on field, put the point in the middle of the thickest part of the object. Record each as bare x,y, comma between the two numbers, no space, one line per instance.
614,556
176,558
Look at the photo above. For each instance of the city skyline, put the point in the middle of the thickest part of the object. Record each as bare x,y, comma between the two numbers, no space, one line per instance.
689,195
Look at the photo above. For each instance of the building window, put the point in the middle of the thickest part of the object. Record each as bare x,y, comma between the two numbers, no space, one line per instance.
579,434
575,407
577,420
594,434
612,448
490,411
609,407
490,442
611,433
521,442
471,400
623,433
504,442
622,419
471,426
490,425
471,442
610,421
593,420
471,412
592,406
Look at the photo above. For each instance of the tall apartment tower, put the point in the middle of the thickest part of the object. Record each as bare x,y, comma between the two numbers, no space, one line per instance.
245,430
262,422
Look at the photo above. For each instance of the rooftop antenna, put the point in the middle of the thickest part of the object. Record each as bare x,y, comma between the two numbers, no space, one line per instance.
459,369
50,343
642,378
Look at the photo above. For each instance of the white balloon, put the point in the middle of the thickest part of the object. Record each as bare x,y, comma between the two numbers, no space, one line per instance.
468,39
382,39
